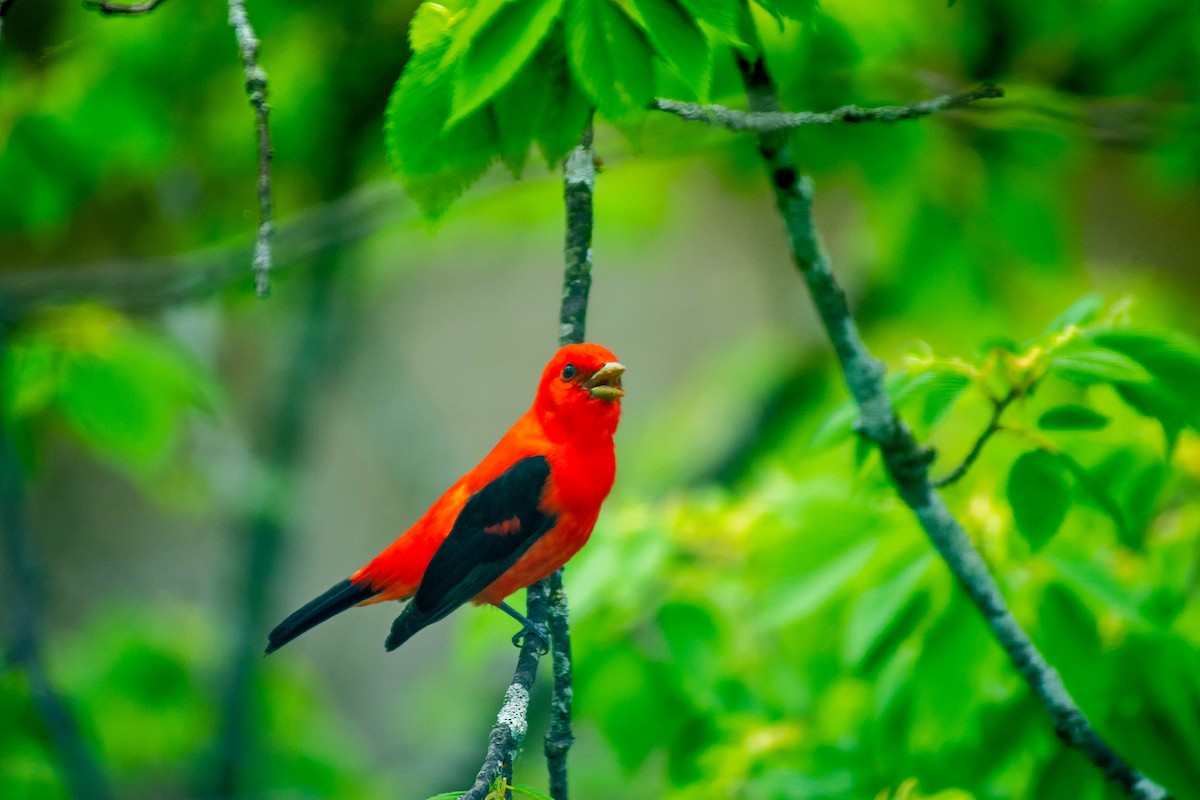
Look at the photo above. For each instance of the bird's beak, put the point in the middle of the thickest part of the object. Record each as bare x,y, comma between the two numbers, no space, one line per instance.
606,383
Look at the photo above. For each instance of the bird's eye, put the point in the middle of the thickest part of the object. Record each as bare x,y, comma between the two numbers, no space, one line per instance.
568,372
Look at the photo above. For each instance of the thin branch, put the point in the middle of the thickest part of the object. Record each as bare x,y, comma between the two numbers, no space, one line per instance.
559,736
512,721
117,9
256,90
24,603
998,408
907,462
150,284
769,121
579,182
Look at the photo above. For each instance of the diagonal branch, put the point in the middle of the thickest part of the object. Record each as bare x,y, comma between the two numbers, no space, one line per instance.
256,90
512,721
769,121
907,462
81,773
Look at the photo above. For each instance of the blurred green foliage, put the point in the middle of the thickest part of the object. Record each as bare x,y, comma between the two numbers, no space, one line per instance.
757,616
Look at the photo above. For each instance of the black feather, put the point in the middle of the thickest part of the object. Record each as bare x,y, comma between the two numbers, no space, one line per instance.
334,601
472,557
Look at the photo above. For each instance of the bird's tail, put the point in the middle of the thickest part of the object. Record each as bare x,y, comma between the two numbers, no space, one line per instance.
334,601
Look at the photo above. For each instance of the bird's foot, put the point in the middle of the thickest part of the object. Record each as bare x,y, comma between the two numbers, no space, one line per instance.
528,626
540,632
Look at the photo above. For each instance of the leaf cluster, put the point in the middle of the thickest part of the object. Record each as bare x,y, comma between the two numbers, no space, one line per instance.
490,79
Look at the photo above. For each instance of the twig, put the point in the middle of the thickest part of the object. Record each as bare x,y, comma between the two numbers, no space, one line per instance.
256,90
769,121
110,9
559,736
998,408
80,770
512,721
148,285
907,462
579,181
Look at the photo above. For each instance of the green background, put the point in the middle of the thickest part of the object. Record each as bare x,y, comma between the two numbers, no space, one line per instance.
757,616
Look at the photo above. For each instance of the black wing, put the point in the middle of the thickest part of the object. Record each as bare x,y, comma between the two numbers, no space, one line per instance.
494,529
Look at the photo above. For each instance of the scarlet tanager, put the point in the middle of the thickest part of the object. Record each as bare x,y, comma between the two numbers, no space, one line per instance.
509,522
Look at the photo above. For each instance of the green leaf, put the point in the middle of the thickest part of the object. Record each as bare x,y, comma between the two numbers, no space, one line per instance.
434,165
1174,362
1081,312
723,15
567,108
1072,418
519,111
799,10
679,41
528,792
1039,492
941,395
879,610
1098,366
494,53
806,593
114,412
1092,580
693,639
610,57
430,22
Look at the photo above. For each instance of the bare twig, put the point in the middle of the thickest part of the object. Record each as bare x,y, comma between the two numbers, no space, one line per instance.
512,721
117,9
907,462
768,121
256,90
559,736
579,181
148,285
80,770
998,408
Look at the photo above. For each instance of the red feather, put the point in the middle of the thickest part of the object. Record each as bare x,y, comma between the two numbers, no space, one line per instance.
571,425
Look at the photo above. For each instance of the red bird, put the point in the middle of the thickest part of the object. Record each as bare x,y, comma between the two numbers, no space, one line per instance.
511,521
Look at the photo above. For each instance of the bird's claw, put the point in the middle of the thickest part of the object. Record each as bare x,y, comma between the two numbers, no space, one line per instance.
541,632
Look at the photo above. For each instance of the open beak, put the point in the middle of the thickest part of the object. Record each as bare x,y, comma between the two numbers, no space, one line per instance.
606,383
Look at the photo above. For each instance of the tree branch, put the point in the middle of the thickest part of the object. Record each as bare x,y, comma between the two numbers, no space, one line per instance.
769,121
512,721
110,9
907,462
256,90
998,408
559,736
80,770
579,182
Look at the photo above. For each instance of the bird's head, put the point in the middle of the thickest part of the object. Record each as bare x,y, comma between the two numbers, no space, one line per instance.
580,391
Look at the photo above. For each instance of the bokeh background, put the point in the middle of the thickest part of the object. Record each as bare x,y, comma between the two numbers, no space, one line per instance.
756,616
